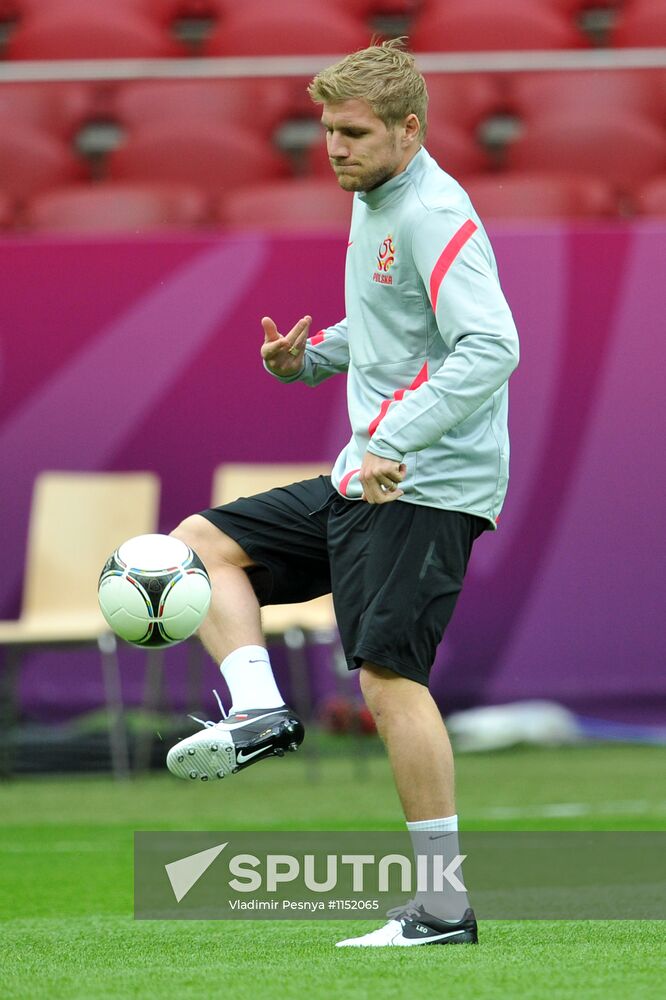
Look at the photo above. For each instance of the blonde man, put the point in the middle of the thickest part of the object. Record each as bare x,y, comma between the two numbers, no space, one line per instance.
428,344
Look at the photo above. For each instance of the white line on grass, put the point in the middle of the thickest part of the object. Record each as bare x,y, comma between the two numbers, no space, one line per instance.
58,847
633,806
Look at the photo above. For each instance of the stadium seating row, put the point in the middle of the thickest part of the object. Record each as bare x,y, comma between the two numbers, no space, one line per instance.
262,104
307,204
161,134
620,145
74,29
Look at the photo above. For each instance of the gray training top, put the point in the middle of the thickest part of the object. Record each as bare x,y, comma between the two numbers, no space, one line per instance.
428,345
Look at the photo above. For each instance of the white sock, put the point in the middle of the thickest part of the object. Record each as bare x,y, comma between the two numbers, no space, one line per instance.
445,823
249,677
432,838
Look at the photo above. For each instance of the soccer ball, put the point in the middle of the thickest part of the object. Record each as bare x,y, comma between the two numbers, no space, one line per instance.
154,591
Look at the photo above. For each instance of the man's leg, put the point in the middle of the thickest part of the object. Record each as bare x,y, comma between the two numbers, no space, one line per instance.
233,619
411,727
419,751
259,724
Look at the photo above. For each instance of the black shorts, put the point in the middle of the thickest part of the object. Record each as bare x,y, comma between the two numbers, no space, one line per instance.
395,569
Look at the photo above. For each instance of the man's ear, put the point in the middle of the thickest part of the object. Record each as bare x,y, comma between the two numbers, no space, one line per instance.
411,129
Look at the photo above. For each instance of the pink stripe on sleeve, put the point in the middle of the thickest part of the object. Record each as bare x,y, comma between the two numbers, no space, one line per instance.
447,257
344,483
396,397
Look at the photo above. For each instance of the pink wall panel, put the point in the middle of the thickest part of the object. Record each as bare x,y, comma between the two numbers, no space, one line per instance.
143,353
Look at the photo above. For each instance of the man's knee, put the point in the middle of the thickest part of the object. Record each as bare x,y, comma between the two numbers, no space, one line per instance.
211,545
388,694
197,532
378,687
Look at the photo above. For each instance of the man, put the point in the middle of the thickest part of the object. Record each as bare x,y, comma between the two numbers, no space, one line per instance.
428,344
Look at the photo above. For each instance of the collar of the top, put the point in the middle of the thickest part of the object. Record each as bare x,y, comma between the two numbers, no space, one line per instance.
381,195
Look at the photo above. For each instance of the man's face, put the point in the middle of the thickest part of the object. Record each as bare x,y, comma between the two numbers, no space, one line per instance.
363,151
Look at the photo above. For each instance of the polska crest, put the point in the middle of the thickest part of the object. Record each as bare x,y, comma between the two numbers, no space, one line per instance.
386,255
385,261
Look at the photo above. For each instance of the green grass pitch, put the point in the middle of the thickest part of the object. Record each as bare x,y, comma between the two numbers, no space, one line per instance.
66,885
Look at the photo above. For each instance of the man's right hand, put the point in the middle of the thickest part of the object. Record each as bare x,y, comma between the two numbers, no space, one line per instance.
284,355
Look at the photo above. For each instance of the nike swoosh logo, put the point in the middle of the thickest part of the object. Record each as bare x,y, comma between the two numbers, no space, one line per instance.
242,757
440,835
426,940
350,244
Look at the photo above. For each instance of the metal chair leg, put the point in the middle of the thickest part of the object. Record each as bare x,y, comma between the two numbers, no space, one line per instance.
152,702
343,678
108,648
196,660
8,708
301,693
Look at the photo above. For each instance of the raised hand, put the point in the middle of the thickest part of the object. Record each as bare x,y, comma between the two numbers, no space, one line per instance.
284,355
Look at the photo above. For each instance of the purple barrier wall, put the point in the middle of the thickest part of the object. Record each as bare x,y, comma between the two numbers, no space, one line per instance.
134,354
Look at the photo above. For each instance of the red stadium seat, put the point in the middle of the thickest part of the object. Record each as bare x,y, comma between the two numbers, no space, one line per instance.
650,199
626,91
258,104
485,25
68,32
59,108
211,157
540,196
116,208
463,98
287,29
624,149
309,203
641,23
32,161
454,149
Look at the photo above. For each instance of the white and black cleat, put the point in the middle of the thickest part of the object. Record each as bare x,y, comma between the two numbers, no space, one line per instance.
235,742
413,926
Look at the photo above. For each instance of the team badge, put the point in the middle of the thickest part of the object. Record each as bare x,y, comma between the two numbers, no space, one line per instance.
385,261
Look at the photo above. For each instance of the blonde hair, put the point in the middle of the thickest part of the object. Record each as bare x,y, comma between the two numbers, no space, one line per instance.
384,75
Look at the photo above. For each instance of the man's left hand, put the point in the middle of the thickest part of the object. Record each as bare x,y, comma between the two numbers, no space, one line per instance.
380,477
